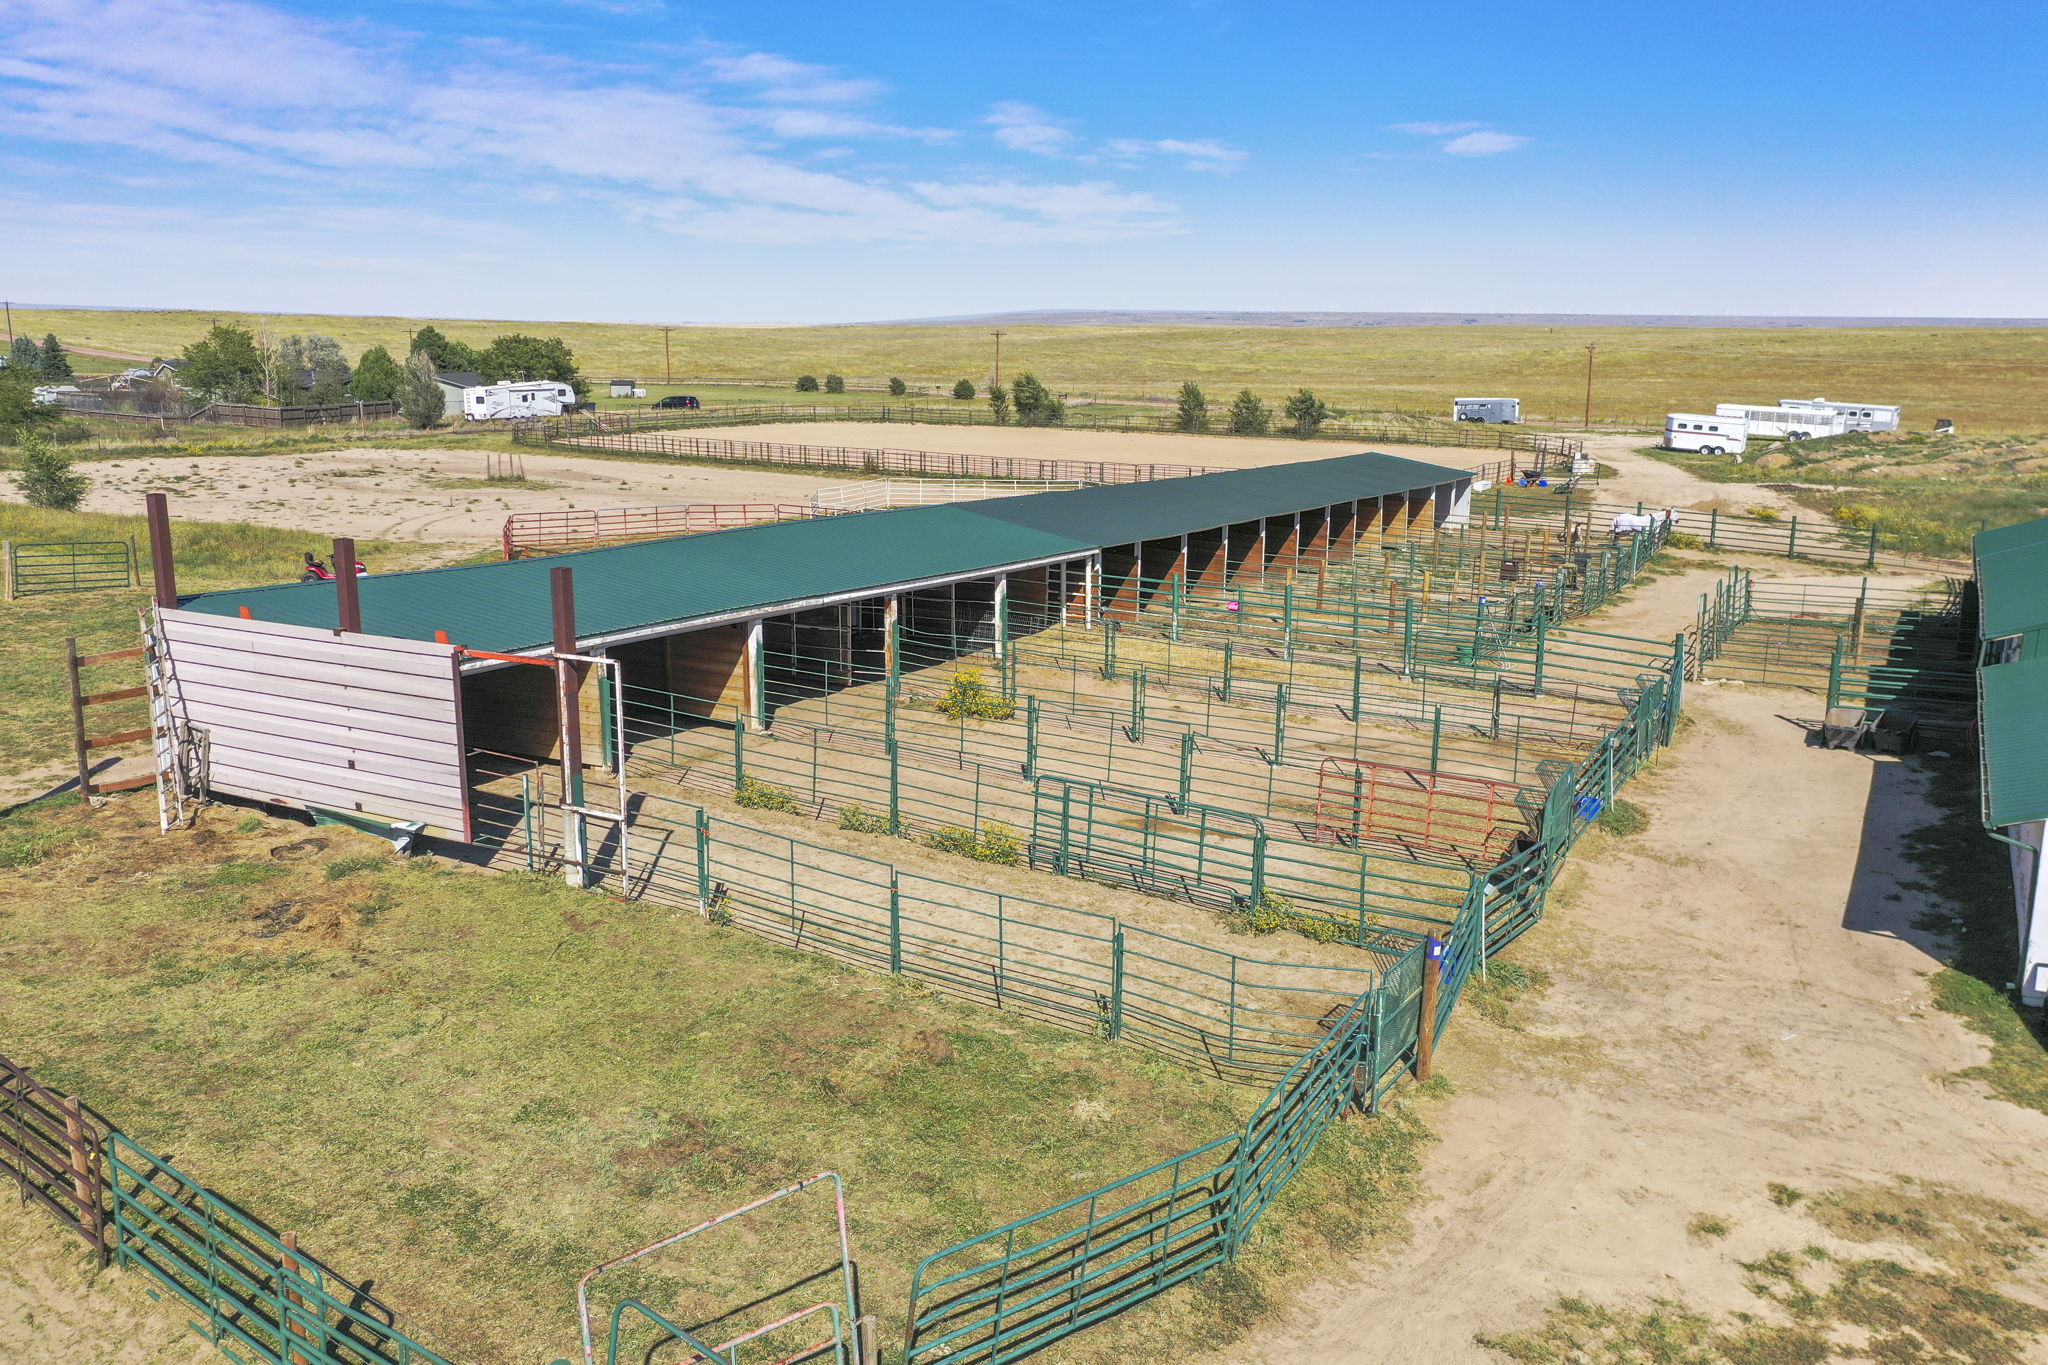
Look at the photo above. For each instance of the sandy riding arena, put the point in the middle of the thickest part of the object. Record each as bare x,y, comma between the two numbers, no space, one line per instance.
418,495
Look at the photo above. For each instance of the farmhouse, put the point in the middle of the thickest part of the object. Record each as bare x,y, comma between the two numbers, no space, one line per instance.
2012,687
373,699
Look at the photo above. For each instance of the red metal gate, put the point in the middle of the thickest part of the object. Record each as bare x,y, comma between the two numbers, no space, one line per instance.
1415,809
583,528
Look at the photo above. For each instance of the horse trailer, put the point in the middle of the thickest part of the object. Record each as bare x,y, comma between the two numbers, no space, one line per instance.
1796,424
1708,435
1860,416
1486,409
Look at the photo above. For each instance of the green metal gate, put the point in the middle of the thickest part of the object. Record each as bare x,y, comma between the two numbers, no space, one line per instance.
257,1296
1159,845
68,566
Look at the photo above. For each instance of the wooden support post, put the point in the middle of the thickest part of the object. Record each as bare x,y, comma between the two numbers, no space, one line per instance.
892,636
348,604
756,716
78,745
298,1329
569,715
161,562
1425,1022
82,1155
7,566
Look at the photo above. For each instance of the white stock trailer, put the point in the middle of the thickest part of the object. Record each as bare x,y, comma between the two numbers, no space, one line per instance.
1796,424
1708,435
1486,409
1860,416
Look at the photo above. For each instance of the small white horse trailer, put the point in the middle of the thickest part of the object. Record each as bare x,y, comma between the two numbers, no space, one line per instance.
1707,435
1860,416
1796,424
1486,409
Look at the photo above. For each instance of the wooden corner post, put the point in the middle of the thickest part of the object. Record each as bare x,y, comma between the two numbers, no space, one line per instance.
348,601
161,563
569,713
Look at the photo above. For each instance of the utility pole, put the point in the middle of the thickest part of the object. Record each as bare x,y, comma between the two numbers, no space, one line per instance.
668,373
1589,384
10,319
997,381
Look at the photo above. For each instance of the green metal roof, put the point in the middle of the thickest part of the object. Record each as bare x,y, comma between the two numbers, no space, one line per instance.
2012,578
2014,715
1121,513
504,607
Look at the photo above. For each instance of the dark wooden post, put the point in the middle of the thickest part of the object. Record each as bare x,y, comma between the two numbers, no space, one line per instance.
1425,1023
291,1263
78,745
569,713
160,561
85,1186
348,603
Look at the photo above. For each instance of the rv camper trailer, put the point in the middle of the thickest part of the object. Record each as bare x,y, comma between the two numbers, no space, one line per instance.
1797,424
1860,416
521,398
1707,435
1487,409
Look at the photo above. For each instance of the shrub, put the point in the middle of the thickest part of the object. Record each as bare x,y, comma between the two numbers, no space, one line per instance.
1680,540
1036,407
755,794
835,383
969,698
1269,914
45,478
1764,513
964,389
995,843
1319,929
1306,412
807,383
861,820
897,388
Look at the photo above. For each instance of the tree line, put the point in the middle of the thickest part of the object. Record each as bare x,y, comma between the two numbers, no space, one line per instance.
231,364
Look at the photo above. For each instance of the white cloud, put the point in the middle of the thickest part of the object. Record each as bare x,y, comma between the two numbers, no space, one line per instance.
1465,139
274,99
1485,142
779,78
1202,155
1027,128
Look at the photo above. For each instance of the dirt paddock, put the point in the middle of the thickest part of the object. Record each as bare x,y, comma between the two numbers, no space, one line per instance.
414,495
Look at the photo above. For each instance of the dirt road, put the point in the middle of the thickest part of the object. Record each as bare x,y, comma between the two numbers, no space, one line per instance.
1650,481
420,495
1739,999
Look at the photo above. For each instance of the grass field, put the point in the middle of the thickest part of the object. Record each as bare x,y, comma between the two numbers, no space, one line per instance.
1984,378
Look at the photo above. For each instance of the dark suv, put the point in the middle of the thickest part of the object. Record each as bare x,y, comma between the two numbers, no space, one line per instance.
676,400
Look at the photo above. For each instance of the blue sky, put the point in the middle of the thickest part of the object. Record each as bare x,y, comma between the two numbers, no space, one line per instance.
649,161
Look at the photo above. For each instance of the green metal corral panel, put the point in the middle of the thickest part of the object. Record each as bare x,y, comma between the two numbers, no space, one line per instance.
2015,721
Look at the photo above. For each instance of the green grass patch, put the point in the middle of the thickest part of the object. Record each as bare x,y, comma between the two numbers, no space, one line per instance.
473,1087
1623,818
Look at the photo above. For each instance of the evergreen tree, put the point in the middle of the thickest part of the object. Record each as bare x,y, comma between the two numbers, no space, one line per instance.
378,378
24,358
1306,412
422,402
999,401
1249,416
56,366
330,370
964,389
897,388
1193,413
1036,407
224,366
807,383
835,383
45,478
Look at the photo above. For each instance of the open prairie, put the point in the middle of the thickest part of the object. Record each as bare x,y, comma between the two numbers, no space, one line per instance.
1984,378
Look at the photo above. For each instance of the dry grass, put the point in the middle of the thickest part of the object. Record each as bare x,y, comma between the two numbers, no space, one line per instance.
1985,378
